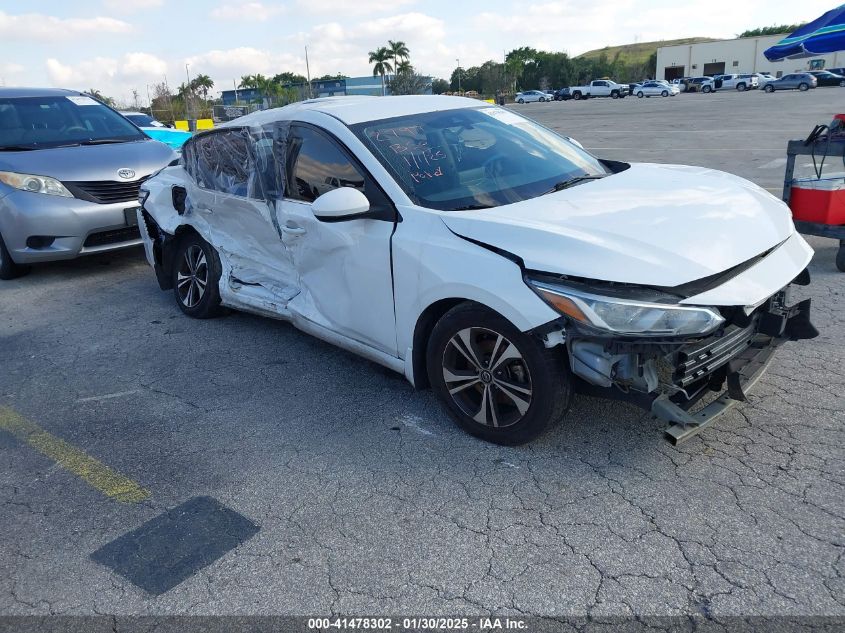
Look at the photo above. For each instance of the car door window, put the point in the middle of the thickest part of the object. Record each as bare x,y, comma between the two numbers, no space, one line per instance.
317,164
221,162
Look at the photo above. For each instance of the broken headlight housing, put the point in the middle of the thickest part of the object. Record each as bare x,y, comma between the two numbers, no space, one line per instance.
625,316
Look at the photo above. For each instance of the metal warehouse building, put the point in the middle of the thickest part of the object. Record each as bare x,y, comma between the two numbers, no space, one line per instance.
319,88
744,55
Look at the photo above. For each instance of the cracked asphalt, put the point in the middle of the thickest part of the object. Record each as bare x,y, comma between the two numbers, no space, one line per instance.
368,498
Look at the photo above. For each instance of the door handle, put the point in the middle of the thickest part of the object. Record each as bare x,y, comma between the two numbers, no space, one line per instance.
292,230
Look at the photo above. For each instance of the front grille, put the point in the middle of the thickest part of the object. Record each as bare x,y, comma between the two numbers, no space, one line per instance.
106,191
701,359
115,236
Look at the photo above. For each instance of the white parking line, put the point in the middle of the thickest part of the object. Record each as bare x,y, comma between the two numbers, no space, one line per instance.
108,396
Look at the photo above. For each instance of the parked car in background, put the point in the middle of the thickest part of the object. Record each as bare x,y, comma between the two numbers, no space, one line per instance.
792,81
563,94
600,88
764,78
827,78
500,273
528,96
656,89
738,82
681,83
157,130
836,71
70,170
701,84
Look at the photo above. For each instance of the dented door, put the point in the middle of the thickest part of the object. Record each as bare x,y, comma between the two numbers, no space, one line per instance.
343,267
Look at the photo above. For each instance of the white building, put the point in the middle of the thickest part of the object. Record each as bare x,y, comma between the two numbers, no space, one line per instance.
743,55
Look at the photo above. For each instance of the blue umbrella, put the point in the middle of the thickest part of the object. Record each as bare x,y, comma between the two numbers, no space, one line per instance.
823,35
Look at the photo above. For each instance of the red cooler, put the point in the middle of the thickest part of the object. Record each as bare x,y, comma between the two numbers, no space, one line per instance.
820,201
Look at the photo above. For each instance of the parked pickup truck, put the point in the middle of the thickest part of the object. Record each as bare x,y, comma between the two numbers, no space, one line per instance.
599,88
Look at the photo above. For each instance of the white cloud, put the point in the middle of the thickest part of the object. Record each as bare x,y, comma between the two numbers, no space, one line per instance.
131,6
35,26
225,65
358,6
142,66
247,11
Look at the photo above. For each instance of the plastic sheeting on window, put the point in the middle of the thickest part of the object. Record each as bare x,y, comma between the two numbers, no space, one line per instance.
223,164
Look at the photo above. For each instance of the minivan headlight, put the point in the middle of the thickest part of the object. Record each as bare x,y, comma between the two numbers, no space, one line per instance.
35,184
628,317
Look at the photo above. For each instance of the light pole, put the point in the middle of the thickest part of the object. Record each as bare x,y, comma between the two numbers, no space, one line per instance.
458,59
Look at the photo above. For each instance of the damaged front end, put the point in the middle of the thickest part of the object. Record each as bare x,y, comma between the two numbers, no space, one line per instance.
639,345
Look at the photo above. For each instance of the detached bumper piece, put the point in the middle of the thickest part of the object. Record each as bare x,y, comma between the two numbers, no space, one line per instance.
744,369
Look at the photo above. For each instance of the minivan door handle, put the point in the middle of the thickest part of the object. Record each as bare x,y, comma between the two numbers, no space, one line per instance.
293,230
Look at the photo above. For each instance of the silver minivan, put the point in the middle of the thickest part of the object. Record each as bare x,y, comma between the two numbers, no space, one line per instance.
70,171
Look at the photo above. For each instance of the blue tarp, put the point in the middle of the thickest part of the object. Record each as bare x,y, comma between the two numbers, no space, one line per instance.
174,138
823,35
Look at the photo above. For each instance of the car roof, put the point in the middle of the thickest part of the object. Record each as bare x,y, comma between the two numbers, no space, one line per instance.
357,109
11,93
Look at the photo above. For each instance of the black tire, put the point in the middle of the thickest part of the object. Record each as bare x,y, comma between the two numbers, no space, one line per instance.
576,96
706,89
665,93
542,99
614,94
8,268
840,258
640,94
768,88
188,279
487,387
803,87
520,100
740,87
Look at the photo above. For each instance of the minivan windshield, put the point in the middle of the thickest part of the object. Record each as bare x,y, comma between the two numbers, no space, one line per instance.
60,121
472,158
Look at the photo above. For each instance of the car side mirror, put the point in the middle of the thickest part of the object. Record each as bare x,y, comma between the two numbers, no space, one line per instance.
344,203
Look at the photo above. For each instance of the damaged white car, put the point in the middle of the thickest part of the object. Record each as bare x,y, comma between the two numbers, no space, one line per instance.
485,256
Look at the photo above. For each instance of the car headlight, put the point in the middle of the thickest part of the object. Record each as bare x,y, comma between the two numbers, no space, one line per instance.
35,184
626,316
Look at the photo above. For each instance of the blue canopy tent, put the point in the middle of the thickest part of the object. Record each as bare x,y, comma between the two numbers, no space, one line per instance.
823,35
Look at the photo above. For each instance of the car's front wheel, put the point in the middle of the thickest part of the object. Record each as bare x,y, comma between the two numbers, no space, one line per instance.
769,89
706,89
740,87
520,100
640,94
665,93
498,383
8,268
196,278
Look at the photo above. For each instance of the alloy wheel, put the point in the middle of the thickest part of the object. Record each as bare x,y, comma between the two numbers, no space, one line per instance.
487,377
192,276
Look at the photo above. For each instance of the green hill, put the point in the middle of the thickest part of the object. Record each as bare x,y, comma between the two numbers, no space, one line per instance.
640,52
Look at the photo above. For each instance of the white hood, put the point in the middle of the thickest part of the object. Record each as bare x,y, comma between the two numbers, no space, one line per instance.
661,225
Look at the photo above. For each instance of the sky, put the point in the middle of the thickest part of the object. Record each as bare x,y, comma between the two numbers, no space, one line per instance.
116,46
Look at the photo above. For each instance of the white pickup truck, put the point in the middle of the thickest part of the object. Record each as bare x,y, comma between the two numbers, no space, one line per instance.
599,88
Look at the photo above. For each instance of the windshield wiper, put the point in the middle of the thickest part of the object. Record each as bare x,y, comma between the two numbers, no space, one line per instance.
104,141
565,184
472,207
16,148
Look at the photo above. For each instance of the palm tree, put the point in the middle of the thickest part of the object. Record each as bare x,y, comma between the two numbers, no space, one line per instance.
202,84
398,52
404,68
381,58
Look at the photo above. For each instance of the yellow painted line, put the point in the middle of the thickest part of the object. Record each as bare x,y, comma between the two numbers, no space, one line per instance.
93,472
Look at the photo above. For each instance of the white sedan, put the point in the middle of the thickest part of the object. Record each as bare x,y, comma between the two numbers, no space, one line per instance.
482,255
656,89
532,95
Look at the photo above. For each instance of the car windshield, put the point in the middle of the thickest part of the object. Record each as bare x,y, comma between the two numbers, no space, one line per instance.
57,121
143,120
473,158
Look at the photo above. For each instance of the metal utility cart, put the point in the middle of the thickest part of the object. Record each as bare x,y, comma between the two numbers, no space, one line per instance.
834,150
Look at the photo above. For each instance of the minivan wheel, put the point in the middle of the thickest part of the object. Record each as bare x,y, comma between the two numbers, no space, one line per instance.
196,278
8,268
803,87
497,383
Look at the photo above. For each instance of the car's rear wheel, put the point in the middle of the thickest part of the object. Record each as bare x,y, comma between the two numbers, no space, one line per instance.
498,383
769,89
196,278
576,96
8,268
803,87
